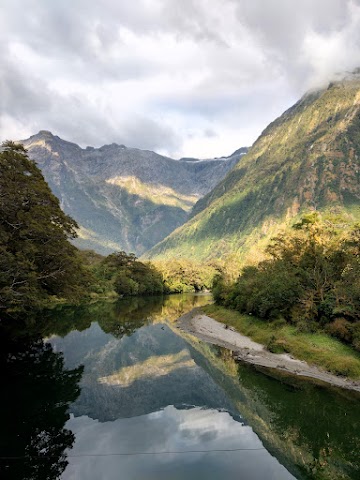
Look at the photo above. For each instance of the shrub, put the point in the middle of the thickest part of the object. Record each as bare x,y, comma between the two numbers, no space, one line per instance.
341,329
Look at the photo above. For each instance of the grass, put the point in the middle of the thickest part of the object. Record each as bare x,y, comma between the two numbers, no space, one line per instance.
315,348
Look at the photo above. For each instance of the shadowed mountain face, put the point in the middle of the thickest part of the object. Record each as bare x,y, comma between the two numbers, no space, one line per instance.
307,159
124,198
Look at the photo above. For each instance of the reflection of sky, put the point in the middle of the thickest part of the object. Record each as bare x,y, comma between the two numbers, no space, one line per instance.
169,430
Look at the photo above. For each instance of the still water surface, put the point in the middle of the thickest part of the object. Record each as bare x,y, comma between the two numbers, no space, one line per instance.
115,391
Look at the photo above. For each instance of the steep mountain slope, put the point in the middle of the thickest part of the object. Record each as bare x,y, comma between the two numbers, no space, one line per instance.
123,198
307,159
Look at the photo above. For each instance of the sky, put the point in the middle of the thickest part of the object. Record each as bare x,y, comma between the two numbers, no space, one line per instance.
196,78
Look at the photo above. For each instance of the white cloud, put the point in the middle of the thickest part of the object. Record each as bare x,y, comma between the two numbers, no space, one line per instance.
168,430
160,74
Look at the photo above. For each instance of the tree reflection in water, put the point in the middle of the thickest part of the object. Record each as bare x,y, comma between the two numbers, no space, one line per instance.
37,391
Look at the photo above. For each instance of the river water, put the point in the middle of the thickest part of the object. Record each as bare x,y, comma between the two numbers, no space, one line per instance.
115,391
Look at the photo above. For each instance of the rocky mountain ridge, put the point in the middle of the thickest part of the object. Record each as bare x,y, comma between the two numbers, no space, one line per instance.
308,159
124,198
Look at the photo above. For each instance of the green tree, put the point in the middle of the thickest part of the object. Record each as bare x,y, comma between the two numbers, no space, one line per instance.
312,279
36,259
128,276
126,286
33,439
183,275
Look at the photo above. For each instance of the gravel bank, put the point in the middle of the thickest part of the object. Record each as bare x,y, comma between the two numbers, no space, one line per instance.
211,331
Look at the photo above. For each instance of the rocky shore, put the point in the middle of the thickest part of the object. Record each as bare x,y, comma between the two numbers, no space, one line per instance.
244,349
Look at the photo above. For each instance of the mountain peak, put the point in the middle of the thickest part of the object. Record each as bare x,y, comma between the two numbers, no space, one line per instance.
53,142
45,133
112,146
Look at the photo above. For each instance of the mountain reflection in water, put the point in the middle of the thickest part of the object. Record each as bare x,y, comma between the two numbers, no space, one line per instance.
144,391
149,392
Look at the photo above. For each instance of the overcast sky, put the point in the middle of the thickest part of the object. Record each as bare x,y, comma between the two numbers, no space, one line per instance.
182,77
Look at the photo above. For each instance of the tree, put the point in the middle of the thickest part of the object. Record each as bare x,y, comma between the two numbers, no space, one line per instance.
34,439
183,275
36,259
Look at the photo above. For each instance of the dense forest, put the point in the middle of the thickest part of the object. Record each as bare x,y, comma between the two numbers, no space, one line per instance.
311,279
124,274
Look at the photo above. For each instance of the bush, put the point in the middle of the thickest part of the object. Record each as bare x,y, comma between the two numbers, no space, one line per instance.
312,280
275,345
355,329
341,329
125,274
126,286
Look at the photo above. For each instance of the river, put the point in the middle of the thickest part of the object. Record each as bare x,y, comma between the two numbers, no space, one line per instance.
116,391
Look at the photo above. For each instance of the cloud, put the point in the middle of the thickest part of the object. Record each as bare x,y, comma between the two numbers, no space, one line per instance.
309,41
161,74
168,430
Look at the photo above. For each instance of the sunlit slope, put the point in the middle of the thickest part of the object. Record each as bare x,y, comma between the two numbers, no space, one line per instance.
307,159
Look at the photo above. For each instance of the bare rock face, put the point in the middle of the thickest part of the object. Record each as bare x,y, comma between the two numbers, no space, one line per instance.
124,198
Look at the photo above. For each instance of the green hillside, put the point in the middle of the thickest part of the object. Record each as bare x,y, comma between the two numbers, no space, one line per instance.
307,159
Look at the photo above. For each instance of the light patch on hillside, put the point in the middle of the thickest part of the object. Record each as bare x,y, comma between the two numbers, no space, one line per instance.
156,366
156,193
90,235
43,144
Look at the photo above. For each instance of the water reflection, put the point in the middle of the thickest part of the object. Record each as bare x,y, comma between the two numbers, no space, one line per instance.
147,388
137,374
194,431
318,426
120,318
312,429
34,405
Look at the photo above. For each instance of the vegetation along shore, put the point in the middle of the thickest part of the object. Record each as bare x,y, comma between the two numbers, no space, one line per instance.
316,357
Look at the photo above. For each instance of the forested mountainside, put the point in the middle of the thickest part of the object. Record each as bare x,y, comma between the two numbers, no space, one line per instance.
124,198
307,159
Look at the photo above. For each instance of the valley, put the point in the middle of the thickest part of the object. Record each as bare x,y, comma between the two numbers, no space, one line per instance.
180,240
124,198
271,232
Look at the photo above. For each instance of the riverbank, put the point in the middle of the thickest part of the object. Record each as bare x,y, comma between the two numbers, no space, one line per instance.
245,349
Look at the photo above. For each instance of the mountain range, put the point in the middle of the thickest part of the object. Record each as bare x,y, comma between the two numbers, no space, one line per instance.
306,160
124,198
129,199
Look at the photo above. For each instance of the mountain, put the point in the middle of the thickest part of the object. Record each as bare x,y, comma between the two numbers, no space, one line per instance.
307,159
123,198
